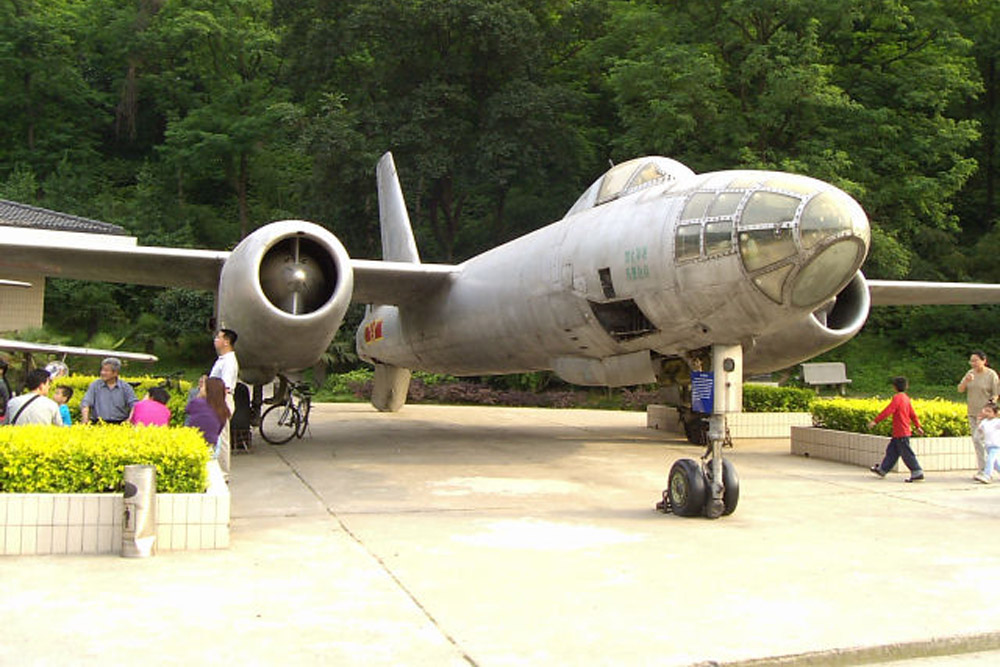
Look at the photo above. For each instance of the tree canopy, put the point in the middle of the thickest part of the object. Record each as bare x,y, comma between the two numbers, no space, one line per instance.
192,122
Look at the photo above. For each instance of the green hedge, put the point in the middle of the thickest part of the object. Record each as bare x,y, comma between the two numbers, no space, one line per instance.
91,459
765,398
939,418
79,384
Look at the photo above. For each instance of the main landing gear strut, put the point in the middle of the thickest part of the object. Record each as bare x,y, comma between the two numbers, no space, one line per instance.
710,487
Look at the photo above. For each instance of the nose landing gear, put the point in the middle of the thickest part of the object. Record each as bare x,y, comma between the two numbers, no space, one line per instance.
710,487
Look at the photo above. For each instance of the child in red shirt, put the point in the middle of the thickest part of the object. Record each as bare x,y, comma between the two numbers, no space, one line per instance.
899,446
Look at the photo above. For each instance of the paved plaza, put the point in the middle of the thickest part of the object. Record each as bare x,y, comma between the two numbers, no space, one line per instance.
500,536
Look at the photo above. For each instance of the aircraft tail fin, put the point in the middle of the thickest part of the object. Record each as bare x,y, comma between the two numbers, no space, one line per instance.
398,243
391,383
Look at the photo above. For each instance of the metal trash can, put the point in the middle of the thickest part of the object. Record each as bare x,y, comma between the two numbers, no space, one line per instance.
139,516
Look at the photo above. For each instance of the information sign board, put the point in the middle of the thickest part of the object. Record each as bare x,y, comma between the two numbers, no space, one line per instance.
702,391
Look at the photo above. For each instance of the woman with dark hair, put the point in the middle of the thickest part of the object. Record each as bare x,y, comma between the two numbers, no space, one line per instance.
152,410
208,411
5,392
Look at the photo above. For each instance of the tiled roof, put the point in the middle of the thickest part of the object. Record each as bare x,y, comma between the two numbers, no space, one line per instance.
21,215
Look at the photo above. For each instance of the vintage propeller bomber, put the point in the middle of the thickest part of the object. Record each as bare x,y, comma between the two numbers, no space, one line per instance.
655,270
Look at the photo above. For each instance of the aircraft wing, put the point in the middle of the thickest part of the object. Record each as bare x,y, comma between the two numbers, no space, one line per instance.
21,346
374,281
923,293
144,265
398,283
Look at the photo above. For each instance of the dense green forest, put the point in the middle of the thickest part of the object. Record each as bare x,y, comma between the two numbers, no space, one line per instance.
191,123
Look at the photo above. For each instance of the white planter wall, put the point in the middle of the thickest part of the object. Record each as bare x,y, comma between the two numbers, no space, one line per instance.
741,424
861,449
91,523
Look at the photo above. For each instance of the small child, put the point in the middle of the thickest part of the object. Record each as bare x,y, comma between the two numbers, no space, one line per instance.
989,427
61,396
899,446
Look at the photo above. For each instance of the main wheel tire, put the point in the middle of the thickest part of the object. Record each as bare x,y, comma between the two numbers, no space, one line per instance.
279,424
731,496
686,488
731,482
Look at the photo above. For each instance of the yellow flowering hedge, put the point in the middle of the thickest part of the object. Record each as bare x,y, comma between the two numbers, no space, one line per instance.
141,384
92,458
764,398
939,418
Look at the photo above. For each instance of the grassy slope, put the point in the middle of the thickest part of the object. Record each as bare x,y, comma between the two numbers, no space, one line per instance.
872,361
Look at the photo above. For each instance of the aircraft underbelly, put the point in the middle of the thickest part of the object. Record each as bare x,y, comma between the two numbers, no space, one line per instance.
467,335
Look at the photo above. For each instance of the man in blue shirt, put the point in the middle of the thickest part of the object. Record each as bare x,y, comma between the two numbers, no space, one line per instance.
108,398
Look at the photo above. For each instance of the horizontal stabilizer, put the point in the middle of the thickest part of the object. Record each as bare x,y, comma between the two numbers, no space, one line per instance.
923,293
398,283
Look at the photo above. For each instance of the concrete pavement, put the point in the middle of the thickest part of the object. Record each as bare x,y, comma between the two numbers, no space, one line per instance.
497,536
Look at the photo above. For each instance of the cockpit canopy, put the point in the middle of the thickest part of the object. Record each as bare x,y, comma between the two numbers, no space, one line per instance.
799,239
629,177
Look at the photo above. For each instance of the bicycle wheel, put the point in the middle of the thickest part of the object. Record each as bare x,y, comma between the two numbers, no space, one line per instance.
304,407
279,423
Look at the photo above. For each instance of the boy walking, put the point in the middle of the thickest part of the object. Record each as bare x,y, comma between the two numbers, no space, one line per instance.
899,446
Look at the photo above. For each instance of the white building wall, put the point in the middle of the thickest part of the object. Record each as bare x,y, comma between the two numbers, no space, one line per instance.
21,307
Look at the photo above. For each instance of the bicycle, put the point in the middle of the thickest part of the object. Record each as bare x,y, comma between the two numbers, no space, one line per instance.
170,381
289,417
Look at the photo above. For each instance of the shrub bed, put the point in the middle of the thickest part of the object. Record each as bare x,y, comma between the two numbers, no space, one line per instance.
939,418
92,459
764,398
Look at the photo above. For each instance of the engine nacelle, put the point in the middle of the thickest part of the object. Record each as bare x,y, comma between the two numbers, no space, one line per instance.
830,325
284,290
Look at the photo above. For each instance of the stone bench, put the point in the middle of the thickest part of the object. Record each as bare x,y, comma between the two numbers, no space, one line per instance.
828,373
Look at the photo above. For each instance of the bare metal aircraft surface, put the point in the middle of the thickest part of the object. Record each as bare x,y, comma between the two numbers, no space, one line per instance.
64,350
650,273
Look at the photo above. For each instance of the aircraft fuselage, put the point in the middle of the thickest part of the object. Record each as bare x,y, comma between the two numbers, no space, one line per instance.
673,264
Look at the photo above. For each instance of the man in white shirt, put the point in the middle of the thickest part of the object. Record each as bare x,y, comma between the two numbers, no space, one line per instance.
35,407
227,369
